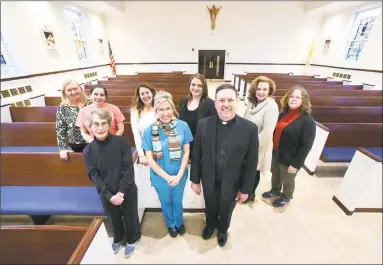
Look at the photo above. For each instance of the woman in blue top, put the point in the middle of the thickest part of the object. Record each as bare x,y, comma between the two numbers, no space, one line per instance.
167,148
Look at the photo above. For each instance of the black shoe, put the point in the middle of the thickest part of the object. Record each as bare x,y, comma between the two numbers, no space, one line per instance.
172,232
222,239
251,198
207,233
181,230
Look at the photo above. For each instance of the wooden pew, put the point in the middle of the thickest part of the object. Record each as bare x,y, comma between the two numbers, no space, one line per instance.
14,168
347,114
176,88
335,92
177,93
39,134
115,100
46,113
342,101
354,134
344,138
129,91
134,83
54,244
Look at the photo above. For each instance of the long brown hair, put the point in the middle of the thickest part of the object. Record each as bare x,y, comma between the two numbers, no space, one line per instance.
137,102
306,103
204,86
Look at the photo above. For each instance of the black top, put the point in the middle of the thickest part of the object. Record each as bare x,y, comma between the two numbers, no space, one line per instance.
296,140
190,117
205,109
109,165
241,161
223,129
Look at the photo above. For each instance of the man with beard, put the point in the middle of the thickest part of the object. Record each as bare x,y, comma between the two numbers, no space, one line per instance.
225,158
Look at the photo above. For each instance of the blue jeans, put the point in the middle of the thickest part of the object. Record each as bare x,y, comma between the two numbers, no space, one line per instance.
171,200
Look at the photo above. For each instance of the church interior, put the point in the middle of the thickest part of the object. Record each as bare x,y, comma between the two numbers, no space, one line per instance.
50,210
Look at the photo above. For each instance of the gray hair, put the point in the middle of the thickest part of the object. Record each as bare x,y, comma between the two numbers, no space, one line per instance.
103,114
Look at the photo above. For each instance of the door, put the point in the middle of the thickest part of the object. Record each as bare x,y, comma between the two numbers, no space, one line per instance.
211,63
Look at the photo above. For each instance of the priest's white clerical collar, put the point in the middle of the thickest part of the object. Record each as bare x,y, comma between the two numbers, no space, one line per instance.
224,122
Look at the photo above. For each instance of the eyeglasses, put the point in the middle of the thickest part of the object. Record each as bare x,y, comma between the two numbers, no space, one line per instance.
163,110
98,125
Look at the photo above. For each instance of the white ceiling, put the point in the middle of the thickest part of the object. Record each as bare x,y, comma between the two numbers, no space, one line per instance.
106,8
325,8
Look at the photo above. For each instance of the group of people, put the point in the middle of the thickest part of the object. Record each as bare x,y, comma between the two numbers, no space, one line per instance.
227,152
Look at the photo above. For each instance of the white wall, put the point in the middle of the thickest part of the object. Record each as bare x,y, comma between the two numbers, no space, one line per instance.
338,26
20,26
263,32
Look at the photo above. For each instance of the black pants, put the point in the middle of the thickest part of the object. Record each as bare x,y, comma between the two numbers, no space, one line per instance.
257,179
78,148
218,212
128,210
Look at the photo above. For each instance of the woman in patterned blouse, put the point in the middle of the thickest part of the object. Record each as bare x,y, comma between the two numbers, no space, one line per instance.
73,99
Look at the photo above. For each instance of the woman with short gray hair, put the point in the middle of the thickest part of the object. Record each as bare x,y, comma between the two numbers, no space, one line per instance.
109,164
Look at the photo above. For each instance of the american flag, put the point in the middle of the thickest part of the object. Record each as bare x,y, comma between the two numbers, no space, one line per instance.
112,63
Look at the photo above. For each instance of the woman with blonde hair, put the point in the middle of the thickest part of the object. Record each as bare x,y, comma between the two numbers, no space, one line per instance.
142,115
293,139
167,147
263,111
73,99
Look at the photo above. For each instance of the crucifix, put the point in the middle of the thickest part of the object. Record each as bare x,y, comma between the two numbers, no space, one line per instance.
213,15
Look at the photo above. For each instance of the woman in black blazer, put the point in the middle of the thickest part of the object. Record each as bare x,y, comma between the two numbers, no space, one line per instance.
196,105
293,138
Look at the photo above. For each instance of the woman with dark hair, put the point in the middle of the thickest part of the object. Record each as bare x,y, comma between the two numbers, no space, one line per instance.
293,138
99,95
197,105
262,110
142,115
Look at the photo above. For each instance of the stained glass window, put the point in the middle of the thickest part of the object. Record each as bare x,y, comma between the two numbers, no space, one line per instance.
74,18
8,67
363,24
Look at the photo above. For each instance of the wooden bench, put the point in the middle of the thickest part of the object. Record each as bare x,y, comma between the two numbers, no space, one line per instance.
122,90
347,114
344,138
342,101
55,244
39,134
115,100
314,91
46,113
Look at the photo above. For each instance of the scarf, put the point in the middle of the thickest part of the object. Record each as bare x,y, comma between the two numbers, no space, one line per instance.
174,143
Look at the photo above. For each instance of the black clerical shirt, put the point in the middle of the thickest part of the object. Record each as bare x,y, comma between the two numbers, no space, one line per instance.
223,129
109,165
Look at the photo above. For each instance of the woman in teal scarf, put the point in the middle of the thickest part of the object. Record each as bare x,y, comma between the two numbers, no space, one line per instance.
167,146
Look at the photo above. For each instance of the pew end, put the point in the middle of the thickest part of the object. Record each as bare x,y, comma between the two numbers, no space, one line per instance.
361,187
312,158
56,244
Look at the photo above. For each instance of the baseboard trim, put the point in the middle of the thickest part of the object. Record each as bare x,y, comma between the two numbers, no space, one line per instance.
308,171
341,206
357,210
